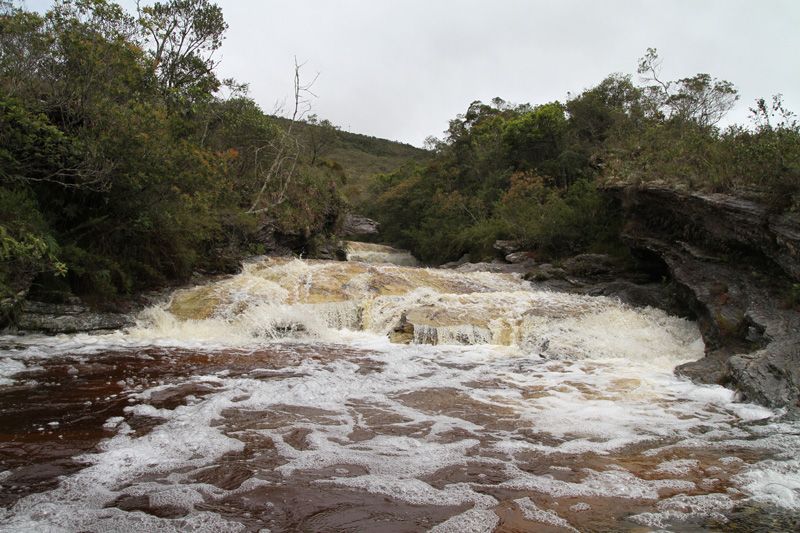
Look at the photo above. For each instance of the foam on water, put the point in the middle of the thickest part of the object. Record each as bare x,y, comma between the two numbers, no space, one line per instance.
474,521
519,380
683,508
10,367
533,513
773,482
379,253
278,299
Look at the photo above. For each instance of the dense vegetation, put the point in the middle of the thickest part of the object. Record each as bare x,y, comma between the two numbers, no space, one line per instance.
126,163
532,173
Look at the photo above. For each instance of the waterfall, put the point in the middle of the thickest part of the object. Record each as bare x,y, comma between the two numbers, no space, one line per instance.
321,395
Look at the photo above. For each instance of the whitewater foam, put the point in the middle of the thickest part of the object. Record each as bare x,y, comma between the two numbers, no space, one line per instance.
498,380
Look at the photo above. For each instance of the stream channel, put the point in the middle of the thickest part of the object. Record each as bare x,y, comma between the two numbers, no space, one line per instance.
368,396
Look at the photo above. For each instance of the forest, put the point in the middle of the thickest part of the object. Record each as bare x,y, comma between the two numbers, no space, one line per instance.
535,173
127,164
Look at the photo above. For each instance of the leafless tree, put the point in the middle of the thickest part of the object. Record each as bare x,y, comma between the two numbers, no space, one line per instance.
286,148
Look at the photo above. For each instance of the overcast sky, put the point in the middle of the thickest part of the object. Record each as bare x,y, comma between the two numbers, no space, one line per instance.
401,69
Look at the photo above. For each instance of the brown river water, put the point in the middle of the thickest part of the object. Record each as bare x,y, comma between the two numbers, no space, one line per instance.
323,396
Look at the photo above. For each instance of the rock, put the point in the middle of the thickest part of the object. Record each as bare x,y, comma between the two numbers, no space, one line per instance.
770,376
655,295
732,263
721,219
520,257
455,264
545,272
403,333
592,265
500,268
711,369
273,243
9,307
507,247
359,225
331,250
67,318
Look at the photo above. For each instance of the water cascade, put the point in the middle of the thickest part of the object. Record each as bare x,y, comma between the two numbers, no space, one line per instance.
362,395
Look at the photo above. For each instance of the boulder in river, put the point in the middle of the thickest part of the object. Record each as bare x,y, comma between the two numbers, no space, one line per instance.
358,225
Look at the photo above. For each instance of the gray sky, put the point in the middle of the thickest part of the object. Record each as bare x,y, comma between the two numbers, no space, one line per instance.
401,69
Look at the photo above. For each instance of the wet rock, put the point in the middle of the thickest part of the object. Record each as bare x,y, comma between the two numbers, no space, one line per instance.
68,318
498,268
655,295
520,257
592,265
378,253
545,272
455,264
507,247
770,376
359,225
198,303
732,263
333,250
403,332
712,369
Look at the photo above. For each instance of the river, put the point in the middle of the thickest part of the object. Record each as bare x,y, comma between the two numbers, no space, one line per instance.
365,396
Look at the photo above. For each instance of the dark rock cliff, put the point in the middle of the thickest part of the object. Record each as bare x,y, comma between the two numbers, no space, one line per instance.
736,266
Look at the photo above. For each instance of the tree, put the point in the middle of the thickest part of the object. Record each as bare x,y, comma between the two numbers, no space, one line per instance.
33,150
700,99
276,178
184,35
605,110
322,135
535,138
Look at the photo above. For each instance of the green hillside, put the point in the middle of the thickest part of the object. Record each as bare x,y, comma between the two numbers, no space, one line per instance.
362,157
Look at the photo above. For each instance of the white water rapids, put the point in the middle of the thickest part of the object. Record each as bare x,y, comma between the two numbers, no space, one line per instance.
328,396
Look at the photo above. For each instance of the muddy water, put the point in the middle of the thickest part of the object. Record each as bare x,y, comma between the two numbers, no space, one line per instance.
276,400
379,253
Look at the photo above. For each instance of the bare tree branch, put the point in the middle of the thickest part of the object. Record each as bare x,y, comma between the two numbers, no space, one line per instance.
287,149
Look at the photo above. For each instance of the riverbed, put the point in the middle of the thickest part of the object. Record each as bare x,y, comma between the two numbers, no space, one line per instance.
361,396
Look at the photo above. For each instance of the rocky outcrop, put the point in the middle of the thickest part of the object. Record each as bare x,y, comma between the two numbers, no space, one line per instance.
656,295
593,265
736,266
67,318
357,225
507,247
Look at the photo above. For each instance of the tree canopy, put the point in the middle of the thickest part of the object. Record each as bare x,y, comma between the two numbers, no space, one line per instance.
532,172
122,164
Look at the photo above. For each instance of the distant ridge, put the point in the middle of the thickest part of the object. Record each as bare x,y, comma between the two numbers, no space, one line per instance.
361,156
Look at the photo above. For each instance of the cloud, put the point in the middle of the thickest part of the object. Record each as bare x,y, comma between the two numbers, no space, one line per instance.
401,69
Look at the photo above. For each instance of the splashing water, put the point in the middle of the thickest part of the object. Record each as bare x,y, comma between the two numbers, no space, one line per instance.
324,396
379,253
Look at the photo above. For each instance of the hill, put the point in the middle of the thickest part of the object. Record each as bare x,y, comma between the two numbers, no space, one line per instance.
362,157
